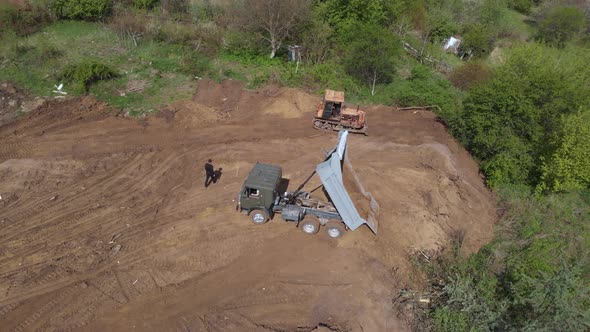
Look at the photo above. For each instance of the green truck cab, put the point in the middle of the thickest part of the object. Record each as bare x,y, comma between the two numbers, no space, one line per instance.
260,192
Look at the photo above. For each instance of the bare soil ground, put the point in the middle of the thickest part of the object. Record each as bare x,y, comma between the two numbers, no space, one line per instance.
105,223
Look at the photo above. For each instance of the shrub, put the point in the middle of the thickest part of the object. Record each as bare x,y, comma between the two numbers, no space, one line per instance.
85,73
145,4
426,88
23,21
522,6
561,25
194,64
175,6
128,25
89,10
469,75
532,277
478,40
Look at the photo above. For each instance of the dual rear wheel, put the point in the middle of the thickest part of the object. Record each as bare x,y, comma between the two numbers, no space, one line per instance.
310,226
334,228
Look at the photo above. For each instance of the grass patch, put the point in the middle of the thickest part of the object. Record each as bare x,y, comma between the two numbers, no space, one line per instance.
38,62
513,25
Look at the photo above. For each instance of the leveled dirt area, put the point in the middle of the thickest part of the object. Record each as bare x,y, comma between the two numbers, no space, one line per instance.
105,223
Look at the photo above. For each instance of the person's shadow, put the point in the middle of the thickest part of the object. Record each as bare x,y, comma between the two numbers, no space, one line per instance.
217,175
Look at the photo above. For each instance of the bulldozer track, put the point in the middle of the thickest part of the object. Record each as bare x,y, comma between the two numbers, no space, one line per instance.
31,319
8,308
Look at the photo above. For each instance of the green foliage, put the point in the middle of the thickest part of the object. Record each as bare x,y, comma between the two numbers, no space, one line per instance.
369,54
568,164
426,88
243,44
317,41
507,121
89,10
145,4
448,320
342,13
530,278
561,25
194,64
330,75
441,25
478,40
85,73
522,6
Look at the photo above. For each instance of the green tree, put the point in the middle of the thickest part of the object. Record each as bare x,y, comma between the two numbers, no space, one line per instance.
369,54
568,165
561,25
478,40
508,120
342,13
532,277
522,6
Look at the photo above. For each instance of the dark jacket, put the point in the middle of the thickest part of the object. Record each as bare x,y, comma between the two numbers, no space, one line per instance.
209,169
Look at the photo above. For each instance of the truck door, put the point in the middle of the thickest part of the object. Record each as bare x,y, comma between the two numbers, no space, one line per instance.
252,198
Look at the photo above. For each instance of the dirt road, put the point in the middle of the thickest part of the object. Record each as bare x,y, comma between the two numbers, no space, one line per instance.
105,223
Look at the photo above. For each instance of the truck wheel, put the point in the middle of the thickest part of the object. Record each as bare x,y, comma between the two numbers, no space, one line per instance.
258,217
335,229
309,226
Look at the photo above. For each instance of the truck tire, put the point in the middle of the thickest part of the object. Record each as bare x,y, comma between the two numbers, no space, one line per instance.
258,217
309,226
335,229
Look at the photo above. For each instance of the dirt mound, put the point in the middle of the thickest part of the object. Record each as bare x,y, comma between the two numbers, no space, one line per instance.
290,103
106,223
224,96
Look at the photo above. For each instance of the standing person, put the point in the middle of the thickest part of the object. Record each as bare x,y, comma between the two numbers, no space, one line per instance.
209,173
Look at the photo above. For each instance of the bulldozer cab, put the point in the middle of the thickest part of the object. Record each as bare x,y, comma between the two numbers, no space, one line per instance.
333,103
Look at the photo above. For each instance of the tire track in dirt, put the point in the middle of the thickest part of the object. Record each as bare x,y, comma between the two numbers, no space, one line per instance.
32,318
135,232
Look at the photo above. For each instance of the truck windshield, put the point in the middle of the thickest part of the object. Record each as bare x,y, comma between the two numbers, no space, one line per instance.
252,192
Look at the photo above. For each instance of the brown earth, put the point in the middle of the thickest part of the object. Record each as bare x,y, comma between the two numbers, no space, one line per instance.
105,223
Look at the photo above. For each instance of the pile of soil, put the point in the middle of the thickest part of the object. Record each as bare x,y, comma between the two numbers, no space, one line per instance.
106,224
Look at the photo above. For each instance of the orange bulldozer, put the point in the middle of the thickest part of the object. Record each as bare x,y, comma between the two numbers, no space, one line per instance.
332,114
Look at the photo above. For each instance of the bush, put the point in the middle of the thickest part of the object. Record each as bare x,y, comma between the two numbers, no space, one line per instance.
145,4
532,277
512,122
23,21
468,75
478,40
85,73
568,165
243,44
522,6
89,10
175,6
425,88
194,64
561,25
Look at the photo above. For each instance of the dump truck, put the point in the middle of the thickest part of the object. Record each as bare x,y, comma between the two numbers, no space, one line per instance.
333,114
263,195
